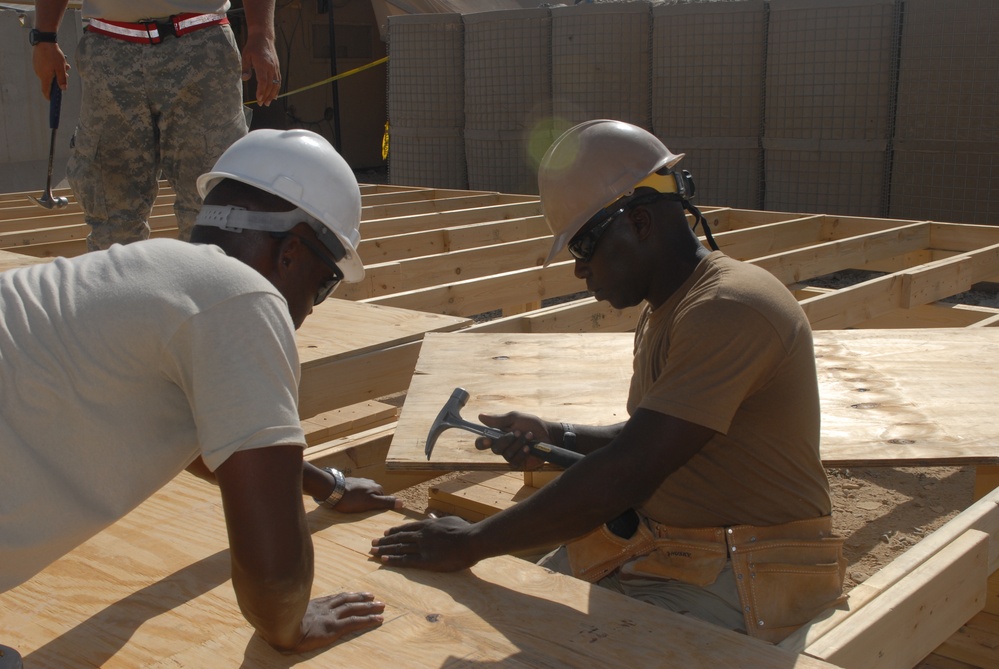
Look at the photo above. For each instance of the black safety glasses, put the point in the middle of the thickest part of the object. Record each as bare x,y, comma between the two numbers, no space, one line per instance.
326,287
584,244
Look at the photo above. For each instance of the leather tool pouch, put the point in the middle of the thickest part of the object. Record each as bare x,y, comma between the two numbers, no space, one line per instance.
691,555
597,554
786,574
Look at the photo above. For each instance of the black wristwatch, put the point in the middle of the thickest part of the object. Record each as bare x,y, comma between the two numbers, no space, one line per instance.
37,36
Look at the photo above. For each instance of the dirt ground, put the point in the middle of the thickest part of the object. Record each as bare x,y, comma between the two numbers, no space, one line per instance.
882,511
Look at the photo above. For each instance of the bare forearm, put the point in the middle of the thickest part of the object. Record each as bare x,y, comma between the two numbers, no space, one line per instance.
273,594
48,14
589,438
259,18
314,481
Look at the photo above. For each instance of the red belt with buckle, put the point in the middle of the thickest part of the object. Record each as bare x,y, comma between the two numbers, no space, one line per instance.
153,32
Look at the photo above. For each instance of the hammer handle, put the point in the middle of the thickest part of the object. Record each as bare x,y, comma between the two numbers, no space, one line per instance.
555,455
55,104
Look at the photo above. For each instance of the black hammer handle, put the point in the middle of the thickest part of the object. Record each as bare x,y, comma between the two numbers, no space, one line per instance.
557,456
55,104
554,454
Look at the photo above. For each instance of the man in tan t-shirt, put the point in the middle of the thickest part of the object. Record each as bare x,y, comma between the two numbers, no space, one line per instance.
711,498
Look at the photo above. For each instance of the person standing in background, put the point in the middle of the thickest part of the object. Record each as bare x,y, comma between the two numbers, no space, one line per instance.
162,91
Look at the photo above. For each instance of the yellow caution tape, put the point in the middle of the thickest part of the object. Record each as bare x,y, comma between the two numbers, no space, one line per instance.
385,142
380,61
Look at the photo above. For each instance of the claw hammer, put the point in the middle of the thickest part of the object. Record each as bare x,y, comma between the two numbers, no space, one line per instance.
450,416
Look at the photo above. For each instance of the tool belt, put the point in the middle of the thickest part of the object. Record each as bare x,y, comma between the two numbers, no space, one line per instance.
154,31
785,574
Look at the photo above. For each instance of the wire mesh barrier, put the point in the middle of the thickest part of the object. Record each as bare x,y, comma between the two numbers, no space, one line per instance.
506,108
707,95
426,100
853,107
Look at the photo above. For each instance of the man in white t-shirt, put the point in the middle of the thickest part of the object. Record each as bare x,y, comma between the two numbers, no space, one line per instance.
121,368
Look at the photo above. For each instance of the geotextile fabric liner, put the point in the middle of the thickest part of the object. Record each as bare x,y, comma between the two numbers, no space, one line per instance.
508,98
946,149
427,157
601,63
500,161
854,107
508,82
426,75
828,95
707,95
426,101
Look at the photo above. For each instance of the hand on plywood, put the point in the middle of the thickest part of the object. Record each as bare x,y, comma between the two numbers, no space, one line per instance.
329,618
439,544
365,495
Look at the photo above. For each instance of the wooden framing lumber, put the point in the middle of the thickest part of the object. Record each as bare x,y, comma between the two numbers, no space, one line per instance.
827,257
917,286
976,644
480,295
348,420
404,224
329,384
452,202
983,516
918,613
455,238
414,195
387,278
363,455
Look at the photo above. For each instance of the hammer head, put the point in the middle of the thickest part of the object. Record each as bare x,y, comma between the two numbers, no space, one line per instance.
449,415
49,201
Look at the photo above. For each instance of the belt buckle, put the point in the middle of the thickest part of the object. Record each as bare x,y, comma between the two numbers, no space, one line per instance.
163,28
166,28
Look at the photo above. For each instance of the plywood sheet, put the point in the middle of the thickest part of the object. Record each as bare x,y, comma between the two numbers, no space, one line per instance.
10,260
154,591
574,377
342,327
889,397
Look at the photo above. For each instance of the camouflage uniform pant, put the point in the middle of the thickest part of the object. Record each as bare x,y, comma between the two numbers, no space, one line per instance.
173,106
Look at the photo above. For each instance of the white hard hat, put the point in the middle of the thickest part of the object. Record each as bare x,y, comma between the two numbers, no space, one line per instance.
592,165
302,168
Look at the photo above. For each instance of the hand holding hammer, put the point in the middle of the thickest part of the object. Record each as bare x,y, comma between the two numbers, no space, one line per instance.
450,416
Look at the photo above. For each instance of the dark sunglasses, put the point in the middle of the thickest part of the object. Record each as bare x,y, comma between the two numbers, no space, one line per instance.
584,244
326,287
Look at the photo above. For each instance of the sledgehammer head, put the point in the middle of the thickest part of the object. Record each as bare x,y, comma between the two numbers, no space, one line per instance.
449,416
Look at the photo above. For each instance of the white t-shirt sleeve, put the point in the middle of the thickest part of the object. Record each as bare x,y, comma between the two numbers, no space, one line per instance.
239,369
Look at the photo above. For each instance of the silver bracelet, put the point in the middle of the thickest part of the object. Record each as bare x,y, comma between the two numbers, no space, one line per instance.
339,487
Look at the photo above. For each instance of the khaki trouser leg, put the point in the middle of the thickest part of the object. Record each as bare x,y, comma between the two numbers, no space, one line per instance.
716,603
114,163
199,114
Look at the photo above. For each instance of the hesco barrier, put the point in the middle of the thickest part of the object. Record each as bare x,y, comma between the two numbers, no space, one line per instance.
506,108
854,107
426,108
